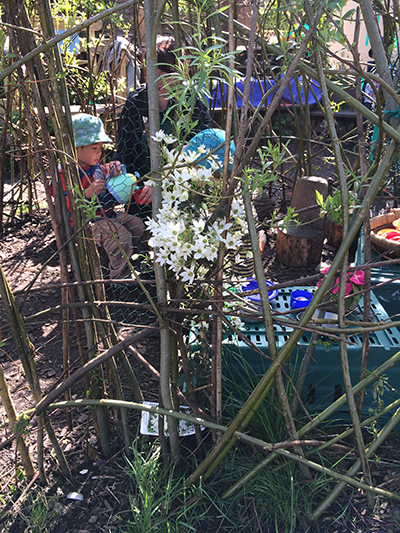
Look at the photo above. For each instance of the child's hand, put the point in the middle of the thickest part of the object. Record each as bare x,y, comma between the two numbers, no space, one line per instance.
113,168
95,188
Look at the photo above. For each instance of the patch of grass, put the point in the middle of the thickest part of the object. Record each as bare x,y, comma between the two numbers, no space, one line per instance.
158,498
276,500
39,513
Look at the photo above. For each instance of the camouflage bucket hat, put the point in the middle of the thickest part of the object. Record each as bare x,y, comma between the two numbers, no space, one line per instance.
88,130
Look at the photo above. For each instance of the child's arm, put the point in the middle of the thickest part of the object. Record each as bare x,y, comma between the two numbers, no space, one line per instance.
97,185
95,188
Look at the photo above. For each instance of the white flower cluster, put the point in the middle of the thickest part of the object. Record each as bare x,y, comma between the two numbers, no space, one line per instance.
179,237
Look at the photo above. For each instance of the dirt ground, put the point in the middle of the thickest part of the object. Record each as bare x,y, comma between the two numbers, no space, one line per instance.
25,249
26,252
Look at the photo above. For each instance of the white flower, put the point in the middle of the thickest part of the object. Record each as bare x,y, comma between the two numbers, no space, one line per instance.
179,235
151,224
176,248
175,229
170,197
235,321
186,249
203,174
192,155
159,136
237,209
169,139
162,256
202,271
220,227
214,165
176,263
198,225
216,161
169,156
183,176
210,253
198,253
231,242
187,275
183,195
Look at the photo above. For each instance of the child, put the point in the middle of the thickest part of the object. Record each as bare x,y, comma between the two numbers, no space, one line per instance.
110,226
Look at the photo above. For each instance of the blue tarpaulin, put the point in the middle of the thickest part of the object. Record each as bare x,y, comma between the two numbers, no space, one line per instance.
259,87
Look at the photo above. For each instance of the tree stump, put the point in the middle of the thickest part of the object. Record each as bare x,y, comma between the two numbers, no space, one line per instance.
299,246
302,245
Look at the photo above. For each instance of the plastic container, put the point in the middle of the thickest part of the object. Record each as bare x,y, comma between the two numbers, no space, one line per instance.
324,382
327,315
252,285
122,186
300,299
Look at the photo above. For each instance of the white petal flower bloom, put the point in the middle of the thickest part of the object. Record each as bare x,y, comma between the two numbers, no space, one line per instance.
198,225
186,250
162,256
235,321
170,197
159,136
170,156
237,209
210,253
220,227
187,275
170,139
162,136
231,242
185,175
203,174
179,235
151,224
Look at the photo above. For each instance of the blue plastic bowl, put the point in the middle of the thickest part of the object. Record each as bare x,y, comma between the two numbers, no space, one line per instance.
252,285
300,299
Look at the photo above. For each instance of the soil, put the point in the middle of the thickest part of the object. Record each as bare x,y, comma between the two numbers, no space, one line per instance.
27,253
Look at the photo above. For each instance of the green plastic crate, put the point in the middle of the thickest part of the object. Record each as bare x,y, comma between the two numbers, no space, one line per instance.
243,366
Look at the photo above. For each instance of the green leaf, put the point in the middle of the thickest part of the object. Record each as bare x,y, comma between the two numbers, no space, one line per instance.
333,4
349,14
319,198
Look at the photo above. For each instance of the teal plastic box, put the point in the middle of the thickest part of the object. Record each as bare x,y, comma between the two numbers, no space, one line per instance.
243,365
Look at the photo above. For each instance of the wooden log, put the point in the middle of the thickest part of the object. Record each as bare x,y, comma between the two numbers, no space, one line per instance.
299,246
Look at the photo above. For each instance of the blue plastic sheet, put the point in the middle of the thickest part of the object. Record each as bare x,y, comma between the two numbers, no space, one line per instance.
259,87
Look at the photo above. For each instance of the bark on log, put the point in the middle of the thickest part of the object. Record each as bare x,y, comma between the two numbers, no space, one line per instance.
299,246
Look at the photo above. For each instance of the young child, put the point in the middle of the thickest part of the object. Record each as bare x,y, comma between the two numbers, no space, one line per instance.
110,226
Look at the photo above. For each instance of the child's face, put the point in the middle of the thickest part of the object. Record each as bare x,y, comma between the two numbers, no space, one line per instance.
89,154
